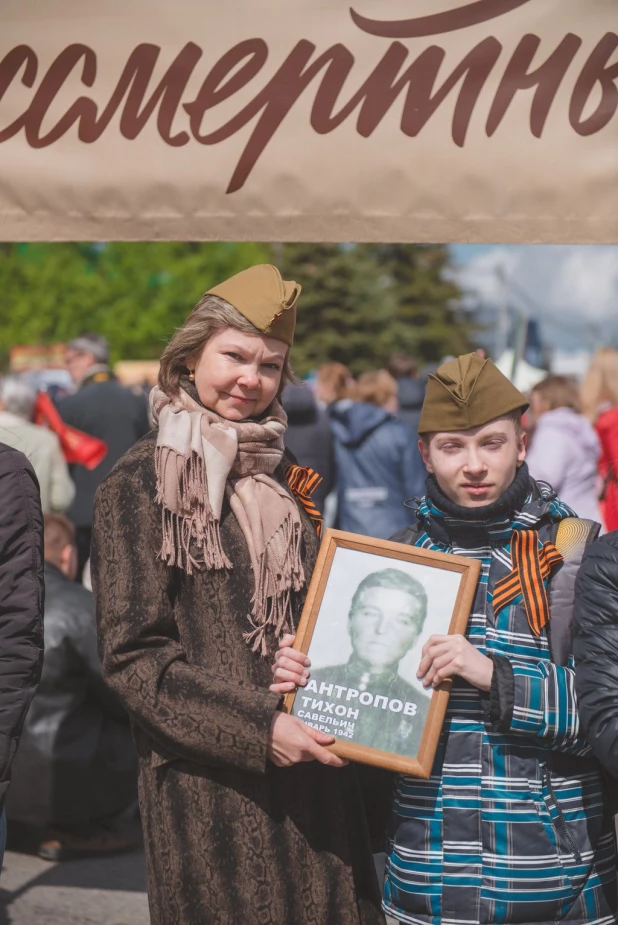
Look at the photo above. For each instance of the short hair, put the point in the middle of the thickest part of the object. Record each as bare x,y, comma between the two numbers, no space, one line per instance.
58,532
18,397
92,343
394,579
516,418
376,387
558,392
334,381
211,314
402,366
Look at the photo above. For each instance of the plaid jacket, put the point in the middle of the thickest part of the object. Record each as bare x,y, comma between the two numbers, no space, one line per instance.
511,826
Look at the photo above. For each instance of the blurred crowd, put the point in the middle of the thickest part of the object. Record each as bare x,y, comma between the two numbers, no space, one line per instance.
359,434
74,784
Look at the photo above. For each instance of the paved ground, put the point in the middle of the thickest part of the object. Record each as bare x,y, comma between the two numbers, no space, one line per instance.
110,891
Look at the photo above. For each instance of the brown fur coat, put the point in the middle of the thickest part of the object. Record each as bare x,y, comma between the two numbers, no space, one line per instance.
230,838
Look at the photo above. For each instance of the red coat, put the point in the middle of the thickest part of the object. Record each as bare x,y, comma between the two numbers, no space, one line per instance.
607,429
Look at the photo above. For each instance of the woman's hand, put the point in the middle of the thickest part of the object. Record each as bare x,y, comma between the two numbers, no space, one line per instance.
290,669
445,656
291,741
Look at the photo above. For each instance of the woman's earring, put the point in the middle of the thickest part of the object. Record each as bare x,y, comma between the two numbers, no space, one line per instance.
191,376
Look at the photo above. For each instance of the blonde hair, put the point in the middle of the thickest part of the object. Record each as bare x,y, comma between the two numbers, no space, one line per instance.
601,383
558,392
211,314
376,387
334,382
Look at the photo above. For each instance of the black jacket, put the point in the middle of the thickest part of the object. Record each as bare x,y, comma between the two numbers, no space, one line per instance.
76,761
105,409
309,437
21,600
596,648
411,394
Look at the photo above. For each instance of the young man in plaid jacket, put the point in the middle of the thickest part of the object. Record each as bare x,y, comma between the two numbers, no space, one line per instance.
512,826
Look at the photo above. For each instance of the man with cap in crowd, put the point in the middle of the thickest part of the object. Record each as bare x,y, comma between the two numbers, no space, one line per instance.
103,408
511,826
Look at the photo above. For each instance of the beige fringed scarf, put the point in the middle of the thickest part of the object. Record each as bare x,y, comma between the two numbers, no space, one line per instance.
200,459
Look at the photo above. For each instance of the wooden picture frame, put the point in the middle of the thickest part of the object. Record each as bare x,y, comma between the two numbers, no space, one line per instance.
411,725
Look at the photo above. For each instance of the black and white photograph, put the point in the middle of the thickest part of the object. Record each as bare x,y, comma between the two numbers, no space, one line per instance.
376,614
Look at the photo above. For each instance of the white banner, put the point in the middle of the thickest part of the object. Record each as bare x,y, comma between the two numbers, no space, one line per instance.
391,120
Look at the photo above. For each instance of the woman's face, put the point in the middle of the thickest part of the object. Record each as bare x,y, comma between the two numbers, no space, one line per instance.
237,375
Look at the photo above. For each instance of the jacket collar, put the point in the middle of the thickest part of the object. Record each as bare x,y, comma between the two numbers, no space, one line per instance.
360,672
100,372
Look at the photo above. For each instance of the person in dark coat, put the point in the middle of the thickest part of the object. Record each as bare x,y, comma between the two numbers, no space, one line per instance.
200,562
410,390
105,409
21,604
410,393
77,767
596,650
410,397
378,462
309,437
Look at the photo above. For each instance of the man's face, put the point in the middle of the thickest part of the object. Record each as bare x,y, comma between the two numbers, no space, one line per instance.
78,364
475,467
384,625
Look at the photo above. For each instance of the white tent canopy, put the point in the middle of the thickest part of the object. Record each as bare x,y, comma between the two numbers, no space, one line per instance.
526,375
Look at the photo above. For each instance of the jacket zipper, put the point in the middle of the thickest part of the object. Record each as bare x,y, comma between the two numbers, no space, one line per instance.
561,820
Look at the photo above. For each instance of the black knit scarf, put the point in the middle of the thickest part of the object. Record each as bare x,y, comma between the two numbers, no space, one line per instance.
469,527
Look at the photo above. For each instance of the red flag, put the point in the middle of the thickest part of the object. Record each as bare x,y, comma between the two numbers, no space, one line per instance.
77,446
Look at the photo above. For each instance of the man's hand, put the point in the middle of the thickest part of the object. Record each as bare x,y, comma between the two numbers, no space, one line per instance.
445,656
290,669
291,741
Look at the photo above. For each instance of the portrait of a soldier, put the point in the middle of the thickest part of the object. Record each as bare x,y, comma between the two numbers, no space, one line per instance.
386,617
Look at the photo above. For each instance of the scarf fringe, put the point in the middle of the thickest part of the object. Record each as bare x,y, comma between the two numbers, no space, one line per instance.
178,530
271,606
204,451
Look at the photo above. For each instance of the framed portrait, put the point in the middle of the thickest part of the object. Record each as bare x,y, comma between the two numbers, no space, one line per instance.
371,606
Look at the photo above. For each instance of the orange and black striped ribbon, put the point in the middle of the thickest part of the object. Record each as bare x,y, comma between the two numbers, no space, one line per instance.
531,566
303,483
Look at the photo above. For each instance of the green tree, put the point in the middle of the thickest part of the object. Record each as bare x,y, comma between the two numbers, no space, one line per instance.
343,307
426,320
359,302
135,294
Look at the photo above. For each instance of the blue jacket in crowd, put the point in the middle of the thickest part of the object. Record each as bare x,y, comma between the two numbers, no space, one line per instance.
378,468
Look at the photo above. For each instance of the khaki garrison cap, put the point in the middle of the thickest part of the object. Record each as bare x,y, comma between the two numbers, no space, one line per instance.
467,392
266,300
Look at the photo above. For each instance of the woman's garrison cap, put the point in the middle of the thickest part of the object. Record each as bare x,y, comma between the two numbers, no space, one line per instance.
264,299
